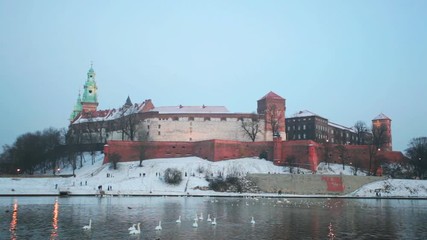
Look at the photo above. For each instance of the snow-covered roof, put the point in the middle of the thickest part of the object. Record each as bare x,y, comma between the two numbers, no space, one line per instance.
305,113
381,116
191,109
335,125
111,114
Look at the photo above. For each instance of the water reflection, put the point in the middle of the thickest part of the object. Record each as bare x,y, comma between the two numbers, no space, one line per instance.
41,218
54,233
14,221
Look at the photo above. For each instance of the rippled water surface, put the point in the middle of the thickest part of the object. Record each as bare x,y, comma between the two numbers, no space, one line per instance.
63,218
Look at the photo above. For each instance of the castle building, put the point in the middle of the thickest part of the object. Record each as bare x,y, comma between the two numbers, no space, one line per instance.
146,122
143,130
306,125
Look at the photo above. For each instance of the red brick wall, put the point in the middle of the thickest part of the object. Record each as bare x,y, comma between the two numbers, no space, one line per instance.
213,150
307,153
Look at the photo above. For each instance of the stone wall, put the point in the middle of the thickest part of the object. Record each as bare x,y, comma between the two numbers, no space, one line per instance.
310,183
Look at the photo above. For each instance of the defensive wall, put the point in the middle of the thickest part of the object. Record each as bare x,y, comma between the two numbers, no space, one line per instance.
302,153
306,184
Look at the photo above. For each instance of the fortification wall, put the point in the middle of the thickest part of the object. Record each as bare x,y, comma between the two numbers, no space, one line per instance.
310,183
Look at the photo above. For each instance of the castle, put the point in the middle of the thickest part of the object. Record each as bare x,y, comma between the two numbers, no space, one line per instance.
143,130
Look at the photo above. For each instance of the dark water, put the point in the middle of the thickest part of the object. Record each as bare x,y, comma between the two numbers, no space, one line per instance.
63,218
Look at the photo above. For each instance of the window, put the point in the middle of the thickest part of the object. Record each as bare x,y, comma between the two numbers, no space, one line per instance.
303,136
148,127
207,118
175,118
159,127
303,126
159,133
289,128
190,118
299,127
223,119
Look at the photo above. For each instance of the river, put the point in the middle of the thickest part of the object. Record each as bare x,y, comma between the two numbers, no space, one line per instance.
292,218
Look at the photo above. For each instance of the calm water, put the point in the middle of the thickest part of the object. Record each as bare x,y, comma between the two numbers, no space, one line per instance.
63,218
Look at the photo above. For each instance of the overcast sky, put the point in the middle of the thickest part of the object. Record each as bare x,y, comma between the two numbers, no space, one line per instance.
344,60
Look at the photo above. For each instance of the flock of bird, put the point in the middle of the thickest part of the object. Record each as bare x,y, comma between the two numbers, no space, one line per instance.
135,229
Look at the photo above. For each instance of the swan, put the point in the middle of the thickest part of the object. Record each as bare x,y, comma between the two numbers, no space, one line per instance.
196,218
132,228
136,231
88,227
195,224
201,216
253,221
159,227
214,222
179,220
209,218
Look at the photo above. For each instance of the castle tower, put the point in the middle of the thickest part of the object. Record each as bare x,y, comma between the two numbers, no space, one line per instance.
90,97
379,122
77,108
273,107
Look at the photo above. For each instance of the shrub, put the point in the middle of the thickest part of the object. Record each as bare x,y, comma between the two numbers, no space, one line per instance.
218,185
263,155
173,176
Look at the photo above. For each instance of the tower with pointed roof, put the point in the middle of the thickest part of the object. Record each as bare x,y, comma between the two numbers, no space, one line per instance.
90,95
383,120
273,107
77,108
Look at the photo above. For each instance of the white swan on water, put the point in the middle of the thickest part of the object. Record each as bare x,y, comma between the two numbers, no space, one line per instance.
179,220
88,227
209,218
253,221
214,222
195,224
136,231
159,227
201,216
132,228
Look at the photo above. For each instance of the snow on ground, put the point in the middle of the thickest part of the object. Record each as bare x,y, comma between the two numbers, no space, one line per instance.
336,169
130,179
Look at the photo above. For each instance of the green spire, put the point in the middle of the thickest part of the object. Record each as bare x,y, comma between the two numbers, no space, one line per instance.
90,88
77,108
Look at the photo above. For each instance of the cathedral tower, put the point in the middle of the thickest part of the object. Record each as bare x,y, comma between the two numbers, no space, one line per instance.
90,97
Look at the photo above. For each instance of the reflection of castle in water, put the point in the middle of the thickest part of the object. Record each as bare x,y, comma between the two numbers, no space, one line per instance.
214,133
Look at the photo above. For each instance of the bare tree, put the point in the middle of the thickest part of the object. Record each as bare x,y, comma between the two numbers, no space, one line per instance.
291,160
274,116
417,152
127,122
327,146
361,130
343,154
375,142
251,127
114,159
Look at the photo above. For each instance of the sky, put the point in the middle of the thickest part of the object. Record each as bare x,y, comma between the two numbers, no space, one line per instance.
343,60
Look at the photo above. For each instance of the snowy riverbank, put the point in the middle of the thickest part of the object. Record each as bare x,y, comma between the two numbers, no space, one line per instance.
130,179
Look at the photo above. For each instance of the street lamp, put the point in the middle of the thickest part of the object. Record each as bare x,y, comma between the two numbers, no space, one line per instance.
18,170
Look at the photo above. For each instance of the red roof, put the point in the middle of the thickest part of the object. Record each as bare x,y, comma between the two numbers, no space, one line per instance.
271,95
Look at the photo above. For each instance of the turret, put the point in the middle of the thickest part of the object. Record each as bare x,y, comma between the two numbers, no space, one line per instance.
77,108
